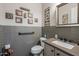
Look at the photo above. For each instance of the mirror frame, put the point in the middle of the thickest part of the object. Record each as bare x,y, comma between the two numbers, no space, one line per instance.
62,4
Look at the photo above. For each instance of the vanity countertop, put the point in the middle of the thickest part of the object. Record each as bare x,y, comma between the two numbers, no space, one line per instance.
74,51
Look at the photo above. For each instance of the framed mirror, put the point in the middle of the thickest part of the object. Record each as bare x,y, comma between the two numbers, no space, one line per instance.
67,13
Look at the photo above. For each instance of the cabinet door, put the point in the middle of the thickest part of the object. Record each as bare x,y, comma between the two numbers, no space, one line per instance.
60,53
48,50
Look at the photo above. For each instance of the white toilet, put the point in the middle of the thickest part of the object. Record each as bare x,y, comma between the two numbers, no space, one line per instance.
37,49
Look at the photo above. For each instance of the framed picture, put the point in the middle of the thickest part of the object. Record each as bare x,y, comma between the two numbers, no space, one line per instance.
18,12
30,21
36,20
8,15
18,20
30,15
25,9
25,15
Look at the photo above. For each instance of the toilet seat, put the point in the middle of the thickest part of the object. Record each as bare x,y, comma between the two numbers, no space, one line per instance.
36,49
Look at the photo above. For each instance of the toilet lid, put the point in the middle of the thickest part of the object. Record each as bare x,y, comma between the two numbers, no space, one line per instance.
37,47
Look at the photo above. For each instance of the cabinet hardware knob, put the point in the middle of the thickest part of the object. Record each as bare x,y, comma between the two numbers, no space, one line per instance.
58,54
52,50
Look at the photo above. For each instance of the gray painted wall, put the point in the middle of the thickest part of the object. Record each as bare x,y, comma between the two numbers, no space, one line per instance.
21,44
70,33
1,36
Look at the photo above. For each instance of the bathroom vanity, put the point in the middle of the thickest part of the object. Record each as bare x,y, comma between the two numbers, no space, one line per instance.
52,49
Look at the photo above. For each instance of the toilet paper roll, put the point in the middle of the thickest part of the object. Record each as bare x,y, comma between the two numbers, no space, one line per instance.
7,46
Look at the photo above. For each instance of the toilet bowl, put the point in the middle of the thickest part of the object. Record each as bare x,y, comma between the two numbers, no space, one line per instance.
37,49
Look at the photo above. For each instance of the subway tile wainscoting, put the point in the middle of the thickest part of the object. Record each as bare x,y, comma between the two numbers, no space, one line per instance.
70,33
21,44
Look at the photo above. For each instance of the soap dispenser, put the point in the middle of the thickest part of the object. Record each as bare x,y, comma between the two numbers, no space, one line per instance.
45,35
56,36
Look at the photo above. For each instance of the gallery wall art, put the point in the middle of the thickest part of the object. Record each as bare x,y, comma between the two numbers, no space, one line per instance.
18,20
21,14
30,21
36,20
8,15
18,12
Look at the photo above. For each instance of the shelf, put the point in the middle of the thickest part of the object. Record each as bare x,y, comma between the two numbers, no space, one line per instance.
47,17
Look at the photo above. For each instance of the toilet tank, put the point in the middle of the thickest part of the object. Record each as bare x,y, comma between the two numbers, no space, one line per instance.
41,40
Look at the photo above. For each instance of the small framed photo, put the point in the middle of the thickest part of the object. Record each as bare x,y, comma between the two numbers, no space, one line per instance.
30,15
25,15
30,21
36,20
18,12
18,20
8,15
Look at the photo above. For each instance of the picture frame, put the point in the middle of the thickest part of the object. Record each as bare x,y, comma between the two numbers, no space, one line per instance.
30,15
18,20
25,9
36,20
25,15
30,21
18,12
8,15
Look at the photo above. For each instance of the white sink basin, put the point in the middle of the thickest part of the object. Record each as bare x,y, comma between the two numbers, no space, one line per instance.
63,44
